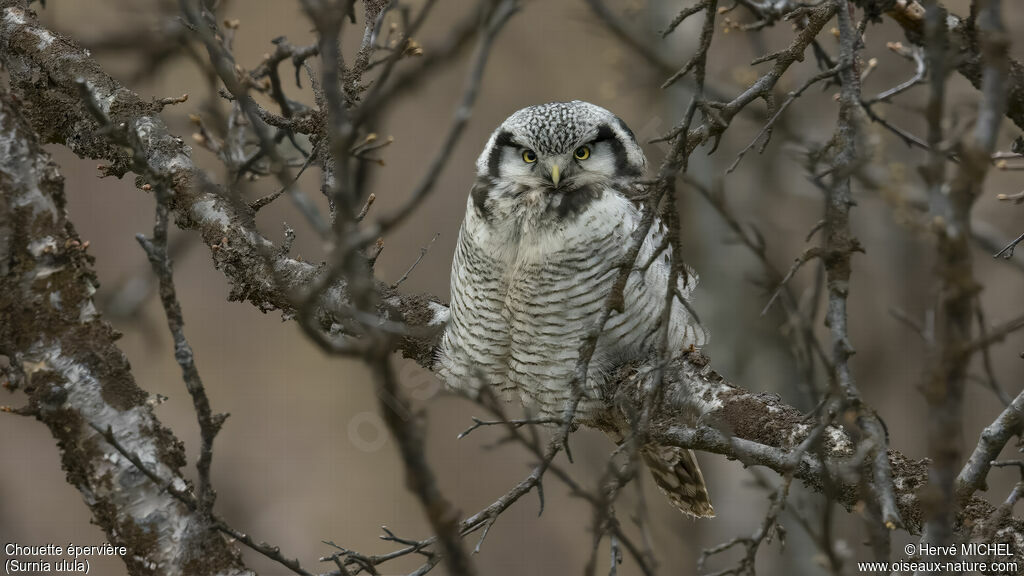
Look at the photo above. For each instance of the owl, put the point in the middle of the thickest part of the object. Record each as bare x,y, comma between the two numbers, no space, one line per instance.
549,218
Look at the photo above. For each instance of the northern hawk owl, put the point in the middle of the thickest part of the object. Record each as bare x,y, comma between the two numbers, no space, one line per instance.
547,222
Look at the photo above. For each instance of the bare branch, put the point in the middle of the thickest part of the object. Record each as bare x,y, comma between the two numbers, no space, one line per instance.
209,423
971,63
973,476
951,204
837,251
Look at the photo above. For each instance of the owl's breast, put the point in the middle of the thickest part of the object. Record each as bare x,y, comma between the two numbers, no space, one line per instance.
529,287
557,289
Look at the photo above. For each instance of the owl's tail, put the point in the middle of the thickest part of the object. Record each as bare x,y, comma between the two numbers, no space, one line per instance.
678,476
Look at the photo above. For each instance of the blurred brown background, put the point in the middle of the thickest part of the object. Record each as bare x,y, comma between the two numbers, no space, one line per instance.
304,457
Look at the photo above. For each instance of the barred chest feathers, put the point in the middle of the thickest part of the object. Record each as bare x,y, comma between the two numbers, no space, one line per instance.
528,286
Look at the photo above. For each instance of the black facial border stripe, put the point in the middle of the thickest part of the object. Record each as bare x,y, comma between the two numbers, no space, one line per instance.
625,128
605,133
494,160
479,195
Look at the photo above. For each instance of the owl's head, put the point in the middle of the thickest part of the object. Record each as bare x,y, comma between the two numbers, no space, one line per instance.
562,146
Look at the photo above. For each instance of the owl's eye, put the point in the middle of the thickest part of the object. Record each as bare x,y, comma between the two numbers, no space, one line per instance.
582,153
529,156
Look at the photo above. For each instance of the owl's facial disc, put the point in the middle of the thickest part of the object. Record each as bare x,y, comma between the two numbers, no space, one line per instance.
558,157
586,142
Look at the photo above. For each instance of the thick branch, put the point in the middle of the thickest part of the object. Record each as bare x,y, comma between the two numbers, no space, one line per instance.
79,382
44,68
759,429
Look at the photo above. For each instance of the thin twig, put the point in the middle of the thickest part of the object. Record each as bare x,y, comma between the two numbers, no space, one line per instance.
423,252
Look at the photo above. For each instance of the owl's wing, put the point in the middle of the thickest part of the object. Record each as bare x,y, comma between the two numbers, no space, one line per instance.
674,469
474,347
637,332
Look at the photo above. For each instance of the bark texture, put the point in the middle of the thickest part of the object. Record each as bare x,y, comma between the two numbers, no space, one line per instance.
79,383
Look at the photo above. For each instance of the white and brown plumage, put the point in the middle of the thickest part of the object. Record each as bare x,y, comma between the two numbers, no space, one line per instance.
549,218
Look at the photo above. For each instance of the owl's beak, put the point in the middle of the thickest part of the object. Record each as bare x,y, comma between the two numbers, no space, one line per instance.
554,175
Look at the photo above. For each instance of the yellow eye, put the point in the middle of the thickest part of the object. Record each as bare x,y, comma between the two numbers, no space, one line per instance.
529,156
582,153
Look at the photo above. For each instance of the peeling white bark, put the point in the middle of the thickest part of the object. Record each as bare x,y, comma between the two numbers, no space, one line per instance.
78,382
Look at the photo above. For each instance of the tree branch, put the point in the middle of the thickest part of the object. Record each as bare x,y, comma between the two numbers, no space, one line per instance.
965,43
79,382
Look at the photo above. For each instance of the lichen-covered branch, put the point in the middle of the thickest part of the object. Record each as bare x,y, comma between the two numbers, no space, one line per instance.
759,429
45,68
79,382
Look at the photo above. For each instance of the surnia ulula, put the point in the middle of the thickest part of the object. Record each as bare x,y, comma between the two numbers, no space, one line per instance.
548,219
